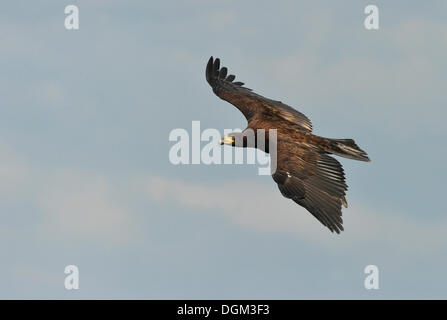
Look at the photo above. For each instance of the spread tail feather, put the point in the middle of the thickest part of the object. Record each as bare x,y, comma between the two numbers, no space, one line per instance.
348,149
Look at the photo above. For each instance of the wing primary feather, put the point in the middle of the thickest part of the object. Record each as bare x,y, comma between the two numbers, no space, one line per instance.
216,67
223,73
209,69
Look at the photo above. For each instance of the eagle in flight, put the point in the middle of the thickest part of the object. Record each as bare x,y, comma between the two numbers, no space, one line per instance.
304,171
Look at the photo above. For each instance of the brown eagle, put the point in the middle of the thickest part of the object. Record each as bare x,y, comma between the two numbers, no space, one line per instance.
304,172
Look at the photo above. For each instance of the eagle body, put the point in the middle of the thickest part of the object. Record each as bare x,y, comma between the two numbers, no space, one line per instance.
305,171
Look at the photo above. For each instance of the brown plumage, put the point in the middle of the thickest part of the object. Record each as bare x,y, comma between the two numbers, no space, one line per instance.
305,172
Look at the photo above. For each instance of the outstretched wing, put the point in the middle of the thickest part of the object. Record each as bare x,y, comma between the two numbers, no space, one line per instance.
312,179
248,102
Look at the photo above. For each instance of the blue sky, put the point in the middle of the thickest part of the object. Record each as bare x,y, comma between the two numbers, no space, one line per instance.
85,179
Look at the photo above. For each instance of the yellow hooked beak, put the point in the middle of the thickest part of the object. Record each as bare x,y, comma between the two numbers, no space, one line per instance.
226,140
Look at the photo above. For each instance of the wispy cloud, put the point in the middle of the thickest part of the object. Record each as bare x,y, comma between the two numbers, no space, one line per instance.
50,94
263,209
72,204
81,206
14,173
